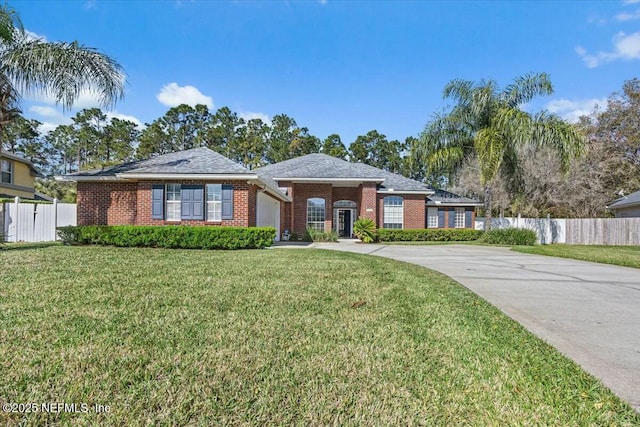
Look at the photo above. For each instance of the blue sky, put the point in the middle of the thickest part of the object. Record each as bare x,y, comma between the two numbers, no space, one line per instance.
343,67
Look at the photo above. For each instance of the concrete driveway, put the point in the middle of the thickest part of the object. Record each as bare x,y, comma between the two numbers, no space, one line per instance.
590,312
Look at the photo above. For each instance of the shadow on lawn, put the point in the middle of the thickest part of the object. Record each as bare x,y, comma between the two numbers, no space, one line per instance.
24,246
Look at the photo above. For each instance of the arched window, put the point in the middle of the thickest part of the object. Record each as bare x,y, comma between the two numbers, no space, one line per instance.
315,214
393,212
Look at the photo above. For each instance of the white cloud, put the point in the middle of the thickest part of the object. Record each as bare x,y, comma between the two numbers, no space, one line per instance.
47,127
625,16
248,115
35,36
625,47
54,117
631,1
572,110
173,95
86,99
114,114
46,111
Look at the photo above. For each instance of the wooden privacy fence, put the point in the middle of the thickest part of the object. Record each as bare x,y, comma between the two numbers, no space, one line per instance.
35,222
581,231
603,231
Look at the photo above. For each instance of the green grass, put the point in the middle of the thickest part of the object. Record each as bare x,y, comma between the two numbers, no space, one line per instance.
628,256
272,337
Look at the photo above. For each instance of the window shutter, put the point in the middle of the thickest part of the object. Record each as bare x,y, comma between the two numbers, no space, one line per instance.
452,217
157,201
197,198
227,201
186,209
440,218
467,219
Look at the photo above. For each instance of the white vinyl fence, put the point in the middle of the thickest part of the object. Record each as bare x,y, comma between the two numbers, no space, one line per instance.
579,231
35,222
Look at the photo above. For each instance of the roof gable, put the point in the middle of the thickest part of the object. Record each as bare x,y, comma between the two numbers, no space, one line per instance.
626,201
322,166
195,161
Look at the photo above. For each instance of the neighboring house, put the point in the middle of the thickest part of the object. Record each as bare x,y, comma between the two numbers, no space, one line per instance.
626,206
201,187
17,177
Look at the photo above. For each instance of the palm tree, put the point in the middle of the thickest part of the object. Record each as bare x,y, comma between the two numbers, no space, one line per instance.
488,123
58,69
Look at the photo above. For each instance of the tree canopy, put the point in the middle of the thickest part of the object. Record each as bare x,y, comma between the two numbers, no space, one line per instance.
487,122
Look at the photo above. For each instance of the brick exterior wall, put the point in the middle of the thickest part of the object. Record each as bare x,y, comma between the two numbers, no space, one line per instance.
414,210
302,192
367,204
102,203
129,203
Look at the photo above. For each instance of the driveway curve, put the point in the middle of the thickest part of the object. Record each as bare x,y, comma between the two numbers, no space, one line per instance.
590,312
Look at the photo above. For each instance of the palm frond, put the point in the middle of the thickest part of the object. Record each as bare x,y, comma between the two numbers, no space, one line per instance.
527,87
10,23
63,70
489,145
549,130
459,90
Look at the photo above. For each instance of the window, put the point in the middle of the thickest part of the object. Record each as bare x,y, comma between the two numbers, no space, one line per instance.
6,171
315,214
432,217
459,217
173,202
393,212
344,204
214,202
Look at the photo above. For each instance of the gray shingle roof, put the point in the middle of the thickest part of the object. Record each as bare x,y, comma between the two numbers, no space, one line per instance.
443,196
322,166
629,200
195,161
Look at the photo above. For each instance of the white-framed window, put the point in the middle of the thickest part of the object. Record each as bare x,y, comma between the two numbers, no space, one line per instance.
459,217
172,202
432,217
214,202
393,212
6,171
316,214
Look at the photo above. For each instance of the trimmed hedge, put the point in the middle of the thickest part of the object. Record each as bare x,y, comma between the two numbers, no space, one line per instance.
176,236
428,235
510,236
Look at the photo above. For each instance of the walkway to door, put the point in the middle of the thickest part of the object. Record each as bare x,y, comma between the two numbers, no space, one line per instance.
588,311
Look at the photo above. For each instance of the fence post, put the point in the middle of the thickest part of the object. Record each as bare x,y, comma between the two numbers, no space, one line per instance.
55,219
15,220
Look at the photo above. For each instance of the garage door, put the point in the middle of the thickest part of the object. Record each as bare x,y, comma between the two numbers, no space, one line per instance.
268,213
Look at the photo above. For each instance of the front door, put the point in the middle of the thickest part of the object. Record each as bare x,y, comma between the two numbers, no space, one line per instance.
344,223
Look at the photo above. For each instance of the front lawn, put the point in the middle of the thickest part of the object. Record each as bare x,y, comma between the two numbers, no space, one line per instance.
628,256
271,337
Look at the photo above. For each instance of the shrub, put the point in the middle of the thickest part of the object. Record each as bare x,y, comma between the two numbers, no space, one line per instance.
510,236
183,237
312,235
365,229
428,235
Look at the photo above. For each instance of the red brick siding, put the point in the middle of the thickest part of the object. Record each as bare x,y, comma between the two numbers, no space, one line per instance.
413,210
367,200
302,192
129,203
106,203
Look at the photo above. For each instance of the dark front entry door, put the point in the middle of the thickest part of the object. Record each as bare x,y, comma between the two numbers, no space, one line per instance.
344,222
